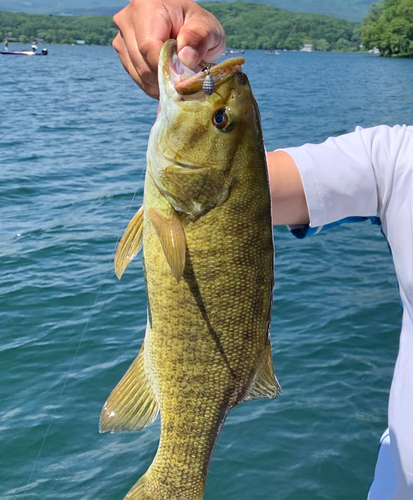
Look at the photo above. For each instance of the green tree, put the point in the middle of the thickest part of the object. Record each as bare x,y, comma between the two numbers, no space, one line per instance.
389,27
322,45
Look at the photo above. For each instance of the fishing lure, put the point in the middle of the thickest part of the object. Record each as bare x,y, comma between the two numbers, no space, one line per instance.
208,86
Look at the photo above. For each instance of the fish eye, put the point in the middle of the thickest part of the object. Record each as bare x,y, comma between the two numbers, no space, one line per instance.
220,119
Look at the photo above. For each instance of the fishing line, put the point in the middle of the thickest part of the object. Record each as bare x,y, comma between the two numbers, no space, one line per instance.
63,390
85,329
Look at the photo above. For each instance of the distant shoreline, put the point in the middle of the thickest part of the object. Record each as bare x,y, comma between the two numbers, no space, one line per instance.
110,46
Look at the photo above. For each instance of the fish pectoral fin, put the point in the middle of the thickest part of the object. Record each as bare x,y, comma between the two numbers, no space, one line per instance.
132,404
130,244
172,236
265,384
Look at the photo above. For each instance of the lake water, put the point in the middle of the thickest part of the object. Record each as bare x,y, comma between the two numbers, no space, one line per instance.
72,158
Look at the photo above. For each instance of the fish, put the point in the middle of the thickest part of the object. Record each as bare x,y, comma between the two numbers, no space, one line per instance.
208,256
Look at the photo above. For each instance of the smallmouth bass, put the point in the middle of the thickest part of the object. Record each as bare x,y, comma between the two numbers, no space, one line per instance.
205,226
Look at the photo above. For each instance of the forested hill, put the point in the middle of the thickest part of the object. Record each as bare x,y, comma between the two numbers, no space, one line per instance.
24,28
248,26
258,26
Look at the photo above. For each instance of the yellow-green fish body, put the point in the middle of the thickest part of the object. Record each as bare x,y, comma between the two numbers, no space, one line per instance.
208,256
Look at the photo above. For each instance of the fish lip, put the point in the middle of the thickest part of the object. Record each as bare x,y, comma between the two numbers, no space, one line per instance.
185,81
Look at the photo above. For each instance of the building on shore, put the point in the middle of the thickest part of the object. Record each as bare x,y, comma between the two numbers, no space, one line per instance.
308,47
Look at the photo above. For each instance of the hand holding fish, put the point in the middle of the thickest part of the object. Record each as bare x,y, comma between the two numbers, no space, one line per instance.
145,25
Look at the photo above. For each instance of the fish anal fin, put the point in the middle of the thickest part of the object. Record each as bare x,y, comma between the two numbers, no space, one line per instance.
265,384
132,404
137,492
172,237
130,244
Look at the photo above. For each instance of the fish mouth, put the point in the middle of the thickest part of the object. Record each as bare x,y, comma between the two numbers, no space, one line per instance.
184,81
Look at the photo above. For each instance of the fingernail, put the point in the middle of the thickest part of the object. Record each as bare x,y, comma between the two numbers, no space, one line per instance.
189,56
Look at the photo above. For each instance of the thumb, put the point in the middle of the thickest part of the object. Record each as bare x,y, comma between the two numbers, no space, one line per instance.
200,38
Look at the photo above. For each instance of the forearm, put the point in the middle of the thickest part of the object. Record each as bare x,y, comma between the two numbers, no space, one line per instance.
289,205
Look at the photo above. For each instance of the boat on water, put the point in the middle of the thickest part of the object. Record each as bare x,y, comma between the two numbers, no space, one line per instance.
25,52
233,51
375,51
272,53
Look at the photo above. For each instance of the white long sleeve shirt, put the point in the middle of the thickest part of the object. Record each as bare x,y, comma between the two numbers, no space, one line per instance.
369,174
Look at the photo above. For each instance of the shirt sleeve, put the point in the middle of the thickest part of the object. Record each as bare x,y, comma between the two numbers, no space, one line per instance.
339,181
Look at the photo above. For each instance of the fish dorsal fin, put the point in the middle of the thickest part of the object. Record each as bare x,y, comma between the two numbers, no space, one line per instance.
265,384
130,244
132,404
172,236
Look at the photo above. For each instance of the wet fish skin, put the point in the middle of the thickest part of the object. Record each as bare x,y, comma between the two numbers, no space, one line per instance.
208,255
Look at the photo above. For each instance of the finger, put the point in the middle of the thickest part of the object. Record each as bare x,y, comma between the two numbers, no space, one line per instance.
151,31
146,73
120,47
200,38
126,24
144,31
